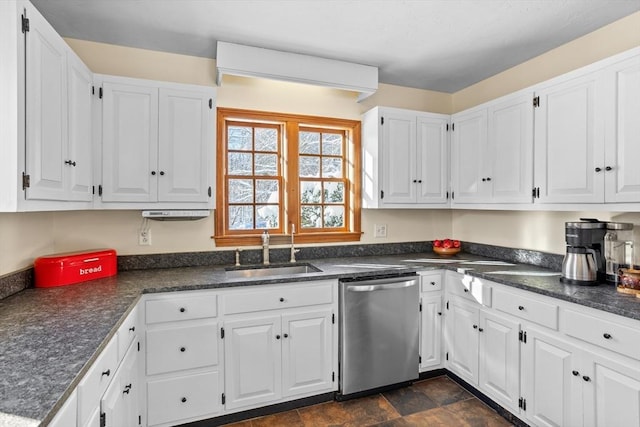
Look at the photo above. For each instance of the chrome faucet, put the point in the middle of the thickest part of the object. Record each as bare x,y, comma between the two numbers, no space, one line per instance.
265,247
293,249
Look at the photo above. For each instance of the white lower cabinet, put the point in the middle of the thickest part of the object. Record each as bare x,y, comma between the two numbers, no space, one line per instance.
462,339
499,370
551,380
281,345
430,320
119,405
68,414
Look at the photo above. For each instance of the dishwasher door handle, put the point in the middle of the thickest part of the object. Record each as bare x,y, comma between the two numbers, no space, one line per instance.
362,287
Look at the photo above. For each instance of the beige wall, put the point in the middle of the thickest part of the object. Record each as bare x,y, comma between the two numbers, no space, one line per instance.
23,236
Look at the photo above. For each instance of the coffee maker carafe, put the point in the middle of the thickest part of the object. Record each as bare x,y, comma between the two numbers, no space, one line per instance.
584,262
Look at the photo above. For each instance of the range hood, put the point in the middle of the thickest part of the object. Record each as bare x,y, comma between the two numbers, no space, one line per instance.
248,61
175,215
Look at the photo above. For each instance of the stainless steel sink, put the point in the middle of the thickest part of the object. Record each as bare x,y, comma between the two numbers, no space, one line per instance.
267,271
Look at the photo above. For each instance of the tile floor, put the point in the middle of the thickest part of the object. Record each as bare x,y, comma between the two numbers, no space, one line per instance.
433,402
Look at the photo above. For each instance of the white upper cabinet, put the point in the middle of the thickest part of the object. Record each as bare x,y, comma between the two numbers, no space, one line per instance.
157,144
46,116
569,141
469,147
585,133
405,158
622,132
492,152
46,109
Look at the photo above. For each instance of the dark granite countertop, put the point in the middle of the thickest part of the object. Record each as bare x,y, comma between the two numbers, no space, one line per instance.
49,337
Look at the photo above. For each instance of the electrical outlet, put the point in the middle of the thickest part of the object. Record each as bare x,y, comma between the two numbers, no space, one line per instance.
380,230
144,238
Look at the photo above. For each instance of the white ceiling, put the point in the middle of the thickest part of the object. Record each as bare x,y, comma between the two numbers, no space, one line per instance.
442,45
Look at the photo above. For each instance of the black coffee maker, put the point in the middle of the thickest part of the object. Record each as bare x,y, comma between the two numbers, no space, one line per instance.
584,263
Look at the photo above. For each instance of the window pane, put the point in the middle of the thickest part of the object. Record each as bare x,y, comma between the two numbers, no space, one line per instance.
239,138
267,191
333,216
267,164
333,192
309,142
240,217
332,144
240,164
240,191
310,191
266,139
331,167
311,216
309,167
267,217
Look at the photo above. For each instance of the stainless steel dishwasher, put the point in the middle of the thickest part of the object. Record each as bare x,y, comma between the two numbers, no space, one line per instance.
379,321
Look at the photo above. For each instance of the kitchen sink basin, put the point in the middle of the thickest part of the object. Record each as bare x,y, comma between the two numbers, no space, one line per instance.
267,271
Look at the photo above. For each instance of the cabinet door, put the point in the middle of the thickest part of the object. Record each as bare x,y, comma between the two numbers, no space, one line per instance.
119,404
79,156
399,158
500,359
510,175
432,157
431,331
307,353
462,339
622,174
46,109
67,415
569,141
129,143
552,391
252,354
611,392
185,142
469,148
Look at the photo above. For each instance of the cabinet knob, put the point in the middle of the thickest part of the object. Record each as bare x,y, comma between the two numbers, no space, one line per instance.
466,290
608,168
132,329
183,400
439,313
70,163
161,173
488,178
484,179
607,336
286,335
415,181
126,389
183,349
598,169
586,378
419,181
480,329
520,307
475,326
433,283
182,309
575,373
281,299
153,173
107,372
277,337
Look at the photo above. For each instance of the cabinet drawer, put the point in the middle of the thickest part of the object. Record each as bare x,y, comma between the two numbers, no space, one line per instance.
603,333
282,297
470,288
183,398
96,380
430,282
127,332
183,347
526,308
173,308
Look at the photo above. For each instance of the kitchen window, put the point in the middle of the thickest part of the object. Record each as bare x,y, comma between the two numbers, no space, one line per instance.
275,171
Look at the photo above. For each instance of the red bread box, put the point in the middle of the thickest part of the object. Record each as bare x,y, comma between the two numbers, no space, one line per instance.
74,267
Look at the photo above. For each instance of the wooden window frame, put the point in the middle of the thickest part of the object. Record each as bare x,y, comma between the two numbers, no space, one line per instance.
290,184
